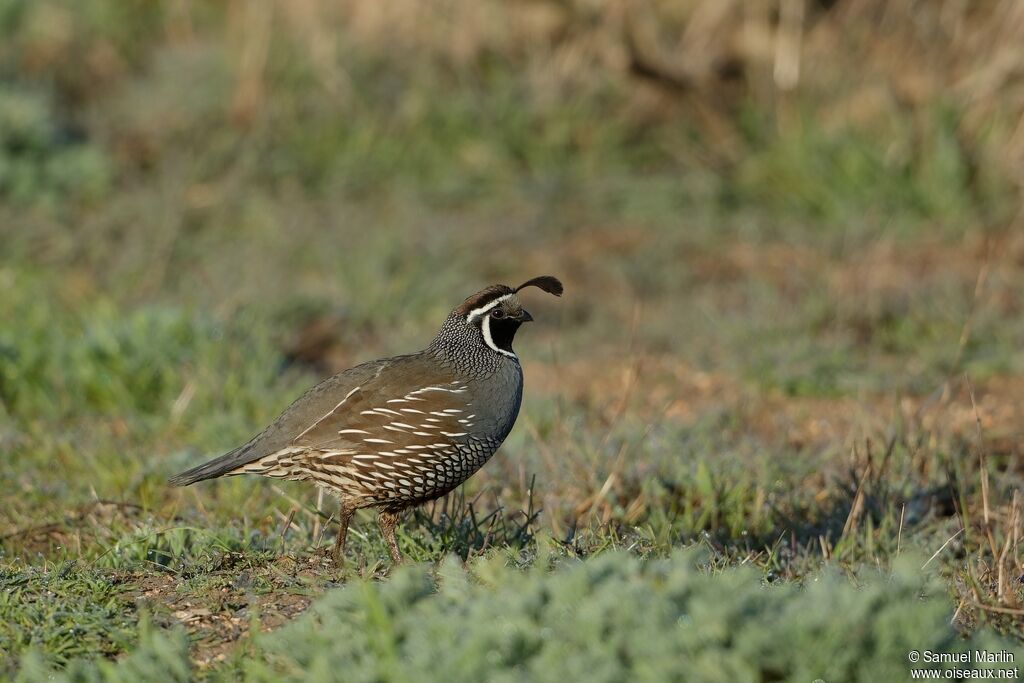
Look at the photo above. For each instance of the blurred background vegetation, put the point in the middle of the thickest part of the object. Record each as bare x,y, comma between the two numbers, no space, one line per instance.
790,232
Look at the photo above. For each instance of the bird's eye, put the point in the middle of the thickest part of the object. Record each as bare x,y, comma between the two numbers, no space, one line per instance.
497,314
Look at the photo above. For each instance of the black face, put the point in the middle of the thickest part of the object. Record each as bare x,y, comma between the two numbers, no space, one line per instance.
503,328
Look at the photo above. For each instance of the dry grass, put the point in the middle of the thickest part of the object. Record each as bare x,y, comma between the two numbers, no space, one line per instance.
698,60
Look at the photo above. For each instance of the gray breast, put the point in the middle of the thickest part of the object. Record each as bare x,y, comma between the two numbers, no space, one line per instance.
496,400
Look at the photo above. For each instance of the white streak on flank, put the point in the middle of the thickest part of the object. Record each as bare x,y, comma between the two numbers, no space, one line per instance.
290,450
402,425
454,434
335,453
485,327
377,441
413,410
383,412
458,390
397,400
423,434
452,411
326,415
433,419
352,431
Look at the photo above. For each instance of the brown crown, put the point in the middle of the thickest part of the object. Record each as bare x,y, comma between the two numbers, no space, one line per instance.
548,283
483,297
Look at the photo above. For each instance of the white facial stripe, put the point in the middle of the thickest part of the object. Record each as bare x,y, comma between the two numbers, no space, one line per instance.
486,329
483,309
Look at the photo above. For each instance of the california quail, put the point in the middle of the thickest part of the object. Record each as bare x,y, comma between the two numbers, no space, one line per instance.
397,432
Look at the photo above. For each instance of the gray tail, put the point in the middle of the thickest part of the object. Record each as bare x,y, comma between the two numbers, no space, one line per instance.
217,467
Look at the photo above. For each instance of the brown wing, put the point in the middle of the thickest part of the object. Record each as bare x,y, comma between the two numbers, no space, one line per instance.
377,411
378,440
296,418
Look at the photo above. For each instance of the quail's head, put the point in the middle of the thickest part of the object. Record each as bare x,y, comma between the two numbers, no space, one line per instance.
496,311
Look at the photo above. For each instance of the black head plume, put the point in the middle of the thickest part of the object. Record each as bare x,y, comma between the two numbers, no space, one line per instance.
548,283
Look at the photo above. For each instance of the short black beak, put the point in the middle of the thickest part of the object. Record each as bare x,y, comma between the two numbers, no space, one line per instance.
525,317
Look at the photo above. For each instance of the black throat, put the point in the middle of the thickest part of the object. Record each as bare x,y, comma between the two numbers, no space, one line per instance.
503,332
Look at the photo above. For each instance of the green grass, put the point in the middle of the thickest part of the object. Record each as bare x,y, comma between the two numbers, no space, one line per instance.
799,353
612,617
64,612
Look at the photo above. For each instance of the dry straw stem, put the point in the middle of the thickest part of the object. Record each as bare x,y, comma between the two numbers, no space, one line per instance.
942,547
983,470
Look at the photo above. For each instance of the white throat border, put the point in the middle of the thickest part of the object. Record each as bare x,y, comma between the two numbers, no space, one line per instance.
485,325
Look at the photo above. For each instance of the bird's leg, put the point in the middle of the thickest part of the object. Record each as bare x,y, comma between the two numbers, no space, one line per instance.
387,522
344,516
